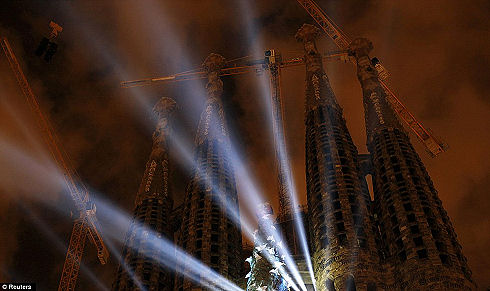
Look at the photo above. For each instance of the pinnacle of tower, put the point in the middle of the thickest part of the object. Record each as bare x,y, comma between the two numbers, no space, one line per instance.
307,33
378,112
154,194
213,63
164,107
207,230
360,47
212,119
212,66
318,89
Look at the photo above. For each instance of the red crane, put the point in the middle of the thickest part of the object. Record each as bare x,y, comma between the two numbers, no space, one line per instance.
86,223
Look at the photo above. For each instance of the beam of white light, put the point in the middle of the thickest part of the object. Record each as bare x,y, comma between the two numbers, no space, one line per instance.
116,254
25,167
186,156
41,173
252,205
57,241
171,47
298,220
107,53
121,219
231,209
15,116
172,255
252,200
280,147
197,269
38,175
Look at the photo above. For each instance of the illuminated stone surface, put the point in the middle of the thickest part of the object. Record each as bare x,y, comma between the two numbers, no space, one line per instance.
418,241
206,231
342,227
153,206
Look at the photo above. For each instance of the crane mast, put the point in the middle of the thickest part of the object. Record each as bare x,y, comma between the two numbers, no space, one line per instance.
86,223
283,175
432,144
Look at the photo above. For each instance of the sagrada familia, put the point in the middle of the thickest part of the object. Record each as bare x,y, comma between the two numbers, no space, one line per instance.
401,240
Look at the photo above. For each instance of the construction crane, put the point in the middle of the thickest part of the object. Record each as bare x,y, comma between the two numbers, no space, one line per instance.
432,144
257,66
273,63
273,59
86,222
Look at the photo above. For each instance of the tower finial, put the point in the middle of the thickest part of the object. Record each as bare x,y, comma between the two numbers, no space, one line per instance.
360,47
213,63
307,33
212,66
164,107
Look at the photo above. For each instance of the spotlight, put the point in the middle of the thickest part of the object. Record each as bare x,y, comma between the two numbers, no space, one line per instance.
43,45
52,48
47,46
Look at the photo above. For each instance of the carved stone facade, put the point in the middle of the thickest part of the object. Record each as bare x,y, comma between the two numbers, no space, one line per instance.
206,230
153,207
403,240
343,230
418,242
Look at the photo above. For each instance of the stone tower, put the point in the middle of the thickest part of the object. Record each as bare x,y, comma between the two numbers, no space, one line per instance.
343,243
206,230
419,241
153,206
